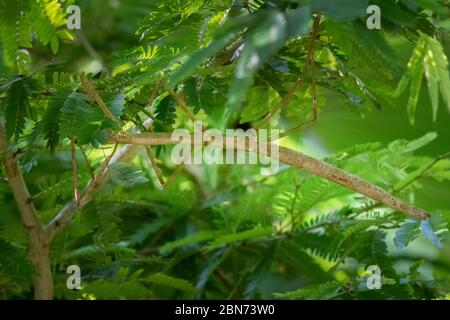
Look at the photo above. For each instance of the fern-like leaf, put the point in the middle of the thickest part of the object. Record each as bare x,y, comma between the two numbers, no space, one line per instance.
17,107
76,112
172,282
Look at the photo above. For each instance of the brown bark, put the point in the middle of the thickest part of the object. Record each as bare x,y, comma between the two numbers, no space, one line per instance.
37,236
301,161
39,256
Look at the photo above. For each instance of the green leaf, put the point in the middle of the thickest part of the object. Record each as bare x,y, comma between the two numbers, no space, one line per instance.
260,271
14,263
165,113
111,290
416,73
429,58
205,93
436,230
75,114
172,282
17,107
407,232
441,62
252,234
11,227
435,6
323,291
298,21
189,240
260,43
259,103
54,44
117,104
226,35
414,62
414,175
15,33
146,230
49,125
432,75
405,146
54,11
95,130
341,9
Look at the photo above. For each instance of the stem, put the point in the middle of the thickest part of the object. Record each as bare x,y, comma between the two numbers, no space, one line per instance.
288,96
294,159
183,105
86,159
174,175
70,209
93,94
76,190
154,164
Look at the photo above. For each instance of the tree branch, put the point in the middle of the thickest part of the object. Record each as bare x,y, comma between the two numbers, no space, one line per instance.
17,184
93,94
155,166
70,209
298,160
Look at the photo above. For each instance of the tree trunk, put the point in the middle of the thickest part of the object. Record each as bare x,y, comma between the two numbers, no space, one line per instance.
39,256
38,236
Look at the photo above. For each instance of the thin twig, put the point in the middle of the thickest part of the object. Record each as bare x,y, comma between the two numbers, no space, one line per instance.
397,189
93,94
70,209
422,172
155,165
174,175
101,175
183,105
156,86
88,164
76,190
191,116
309,64
283,102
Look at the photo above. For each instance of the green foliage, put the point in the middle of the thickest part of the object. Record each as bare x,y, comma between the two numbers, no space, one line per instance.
15,33
21,19
165,114
226,232
165,280
15,265
252,234
428,58
74,114
406,233
50,122
17,106
324,291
